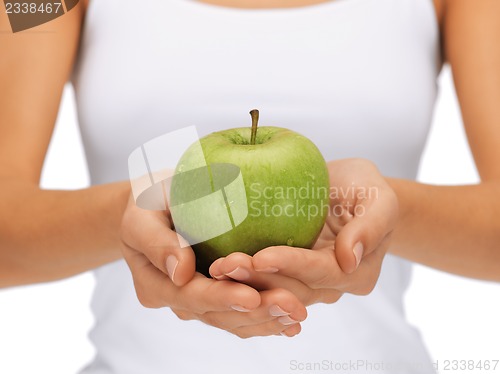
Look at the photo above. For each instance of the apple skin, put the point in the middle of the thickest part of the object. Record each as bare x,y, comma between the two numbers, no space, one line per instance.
284,170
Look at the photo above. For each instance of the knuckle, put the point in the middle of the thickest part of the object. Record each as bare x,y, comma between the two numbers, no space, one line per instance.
311,297
364,289
241,334
326,276
325,296
280,294
371,281
331,296
182,314
146,300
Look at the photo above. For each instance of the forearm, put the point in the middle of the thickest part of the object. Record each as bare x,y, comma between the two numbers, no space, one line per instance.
47,235
451,228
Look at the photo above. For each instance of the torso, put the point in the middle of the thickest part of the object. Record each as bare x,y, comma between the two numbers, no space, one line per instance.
358,77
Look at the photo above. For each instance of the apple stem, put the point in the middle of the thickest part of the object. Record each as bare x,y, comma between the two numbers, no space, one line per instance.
255,121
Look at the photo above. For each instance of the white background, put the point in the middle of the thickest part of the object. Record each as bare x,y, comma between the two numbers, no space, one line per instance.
43,328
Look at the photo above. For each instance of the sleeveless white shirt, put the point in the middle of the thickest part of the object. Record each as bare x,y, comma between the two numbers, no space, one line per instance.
358,77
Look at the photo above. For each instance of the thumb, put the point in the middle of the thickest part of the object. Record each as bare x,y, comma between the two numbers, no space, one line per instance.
150,233
363,234
180,261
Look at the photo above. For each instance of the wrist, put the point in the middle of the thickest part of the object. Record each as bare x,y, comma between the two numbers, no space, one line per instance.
404,190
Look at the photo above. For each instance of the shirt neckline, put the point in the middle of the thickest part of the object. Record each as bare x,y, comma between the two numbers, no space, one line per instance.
313,8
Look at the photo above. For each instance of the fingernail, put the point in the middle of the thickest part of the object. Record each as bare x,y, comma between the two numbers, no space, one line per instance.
220,277
276,311
239,308
183,243
172,263
239,274
358,252
286,320
270,269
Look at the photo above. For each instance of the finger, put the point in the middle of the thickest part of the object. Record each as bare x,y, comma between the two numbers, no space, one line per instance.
215,271
203,295
284,321
154,288
374,220
200,295
239,266
317,268
291,331
150,233
279,310
236,265
266,329
364,279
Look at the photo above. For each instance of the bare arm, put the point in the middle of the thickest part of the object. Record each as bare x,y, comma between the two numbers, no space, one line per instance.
457,229
46,235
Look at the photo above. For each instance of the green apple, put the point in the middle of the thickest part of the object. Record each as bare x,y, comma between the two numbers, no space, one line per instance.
253,189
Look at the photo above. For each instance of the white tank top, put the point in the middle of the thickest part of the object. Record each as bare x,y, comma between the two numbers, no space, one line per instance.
358,77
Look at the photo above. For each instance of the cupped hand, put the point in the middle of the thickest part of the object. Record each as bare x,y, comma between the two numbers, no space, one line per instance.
348,254
164,276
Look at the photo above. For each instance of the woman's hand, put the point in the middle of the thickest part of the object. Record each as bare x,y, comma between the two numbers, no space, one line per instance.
347,256
164,276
